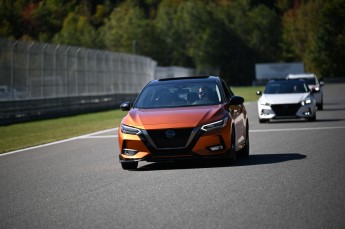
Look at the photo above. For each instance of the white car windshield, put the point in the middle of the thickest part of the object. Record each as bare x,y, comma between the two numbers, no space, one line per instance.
286,87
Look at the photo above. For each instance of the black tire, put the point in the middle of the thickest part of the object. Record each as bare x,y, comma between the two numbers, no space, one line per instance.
244,152
320,105
262,120
129,165
312,119
232,151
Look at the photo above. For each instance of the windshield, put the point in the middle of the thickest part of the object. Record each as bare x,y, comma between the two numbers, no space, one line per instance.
178,94
310,81
283,87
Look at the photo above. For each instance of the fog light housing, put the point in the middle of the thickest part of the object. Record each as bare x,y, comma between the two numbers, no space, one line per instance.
216,148
129,152
266,111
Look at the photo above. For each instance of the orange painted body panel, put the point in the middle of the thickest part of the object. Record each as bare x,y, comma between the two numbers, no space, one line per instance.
175,118
172,117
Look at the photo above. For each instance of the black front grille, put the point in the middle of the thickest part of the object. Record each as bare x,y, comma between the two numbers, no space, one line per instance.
286,109
161,140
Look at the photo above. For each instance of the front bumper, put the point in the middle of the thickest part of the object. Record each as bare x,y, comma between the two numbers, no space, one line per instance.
192,143
285,111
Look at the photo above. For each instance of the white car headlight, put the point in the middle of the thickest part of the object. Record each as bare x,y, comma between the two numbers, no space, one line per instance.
130,130
215,125
263,102
306,102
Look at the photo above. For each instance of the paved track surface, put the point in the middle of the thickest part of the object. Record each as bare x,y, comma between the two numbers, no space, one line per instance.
294,178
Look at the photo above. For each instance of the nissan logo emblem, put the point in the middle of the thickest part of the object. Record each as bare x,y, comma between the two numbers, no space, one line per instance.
170,134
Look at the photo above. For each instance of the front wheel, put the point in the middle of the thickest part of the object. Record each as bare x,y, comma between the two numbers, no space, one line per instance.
244,152
129,165
312,119
263,120
232,151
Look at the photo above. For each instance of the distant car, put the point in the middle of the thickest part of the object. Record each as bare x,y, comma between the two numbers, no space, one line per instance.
183,118
283,99
314,84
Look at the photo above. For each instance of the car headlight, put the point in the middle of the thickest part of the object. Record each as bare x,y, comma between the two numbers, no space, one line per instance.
215,125
130,130
306,102
263,102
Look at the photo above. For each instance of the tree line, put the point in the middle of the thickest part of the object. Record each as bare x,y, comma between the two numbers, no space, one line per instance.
229,35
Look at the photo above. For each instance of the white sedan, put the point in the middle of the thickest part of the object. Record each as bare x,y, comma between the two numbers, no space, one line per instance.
286,99
313,84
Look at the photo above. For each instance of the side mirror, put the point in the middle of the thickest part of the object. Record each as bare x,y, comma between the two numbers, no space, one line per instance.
126,106
315,90
322,83
258,92
236,100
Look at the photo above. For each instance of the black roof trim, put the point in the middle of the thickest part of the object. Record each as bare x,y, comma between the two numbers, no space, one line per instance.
183,78
277,80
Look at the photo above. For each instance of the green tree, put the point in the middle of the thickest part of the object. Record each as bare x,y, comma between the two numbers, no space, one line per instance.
168,39
77,31
14,20
313,32
328,51
50,16
124,29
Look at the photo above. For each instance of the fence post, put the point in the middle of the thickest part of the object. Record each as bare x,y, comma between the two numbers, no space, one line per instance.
28,88
104,72
55,68
12,71
86,71
42,69
66,70
77,73
97,71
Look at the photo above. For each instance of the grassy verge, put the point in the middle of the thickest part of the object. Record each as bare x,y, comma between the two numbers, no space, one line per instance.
248,93
28,134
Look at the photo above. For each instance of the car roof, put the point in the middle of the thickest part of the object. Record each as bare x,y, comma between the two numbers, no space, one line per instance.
302,75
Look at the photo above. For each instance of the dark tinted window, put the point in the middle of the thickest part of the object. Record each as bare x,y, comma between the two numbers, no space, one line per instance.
227,90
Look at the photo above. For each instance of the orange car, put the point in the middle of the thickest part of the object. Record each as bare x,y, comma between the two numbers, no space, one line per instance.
183,118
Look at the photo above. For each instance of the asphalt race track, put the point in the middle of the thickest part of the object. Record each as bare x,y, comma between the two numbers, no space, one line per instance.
294,178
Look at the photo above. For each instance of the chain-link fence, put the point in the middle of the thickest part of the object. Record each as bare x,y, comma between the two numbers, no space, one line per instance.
44,80
36,71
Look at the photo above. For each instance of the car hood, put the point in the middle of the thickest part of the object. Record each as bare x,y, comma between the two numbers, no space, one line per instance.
181,117
284,98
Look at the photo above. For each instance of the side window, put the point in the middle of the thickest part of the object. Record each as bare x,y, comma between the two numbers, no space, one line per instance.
227,91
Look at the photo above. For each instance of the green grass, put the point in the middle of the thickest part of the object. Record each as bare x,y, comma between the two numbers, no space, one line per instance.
33,133
248,93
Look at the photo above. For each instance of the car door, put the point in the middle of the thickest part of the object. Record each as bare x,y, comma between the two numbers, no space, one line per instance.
237,113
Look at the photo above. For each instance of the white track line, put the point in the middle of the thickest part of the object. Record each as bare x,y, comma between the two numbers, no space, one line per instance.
102,136
296,129
62,141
